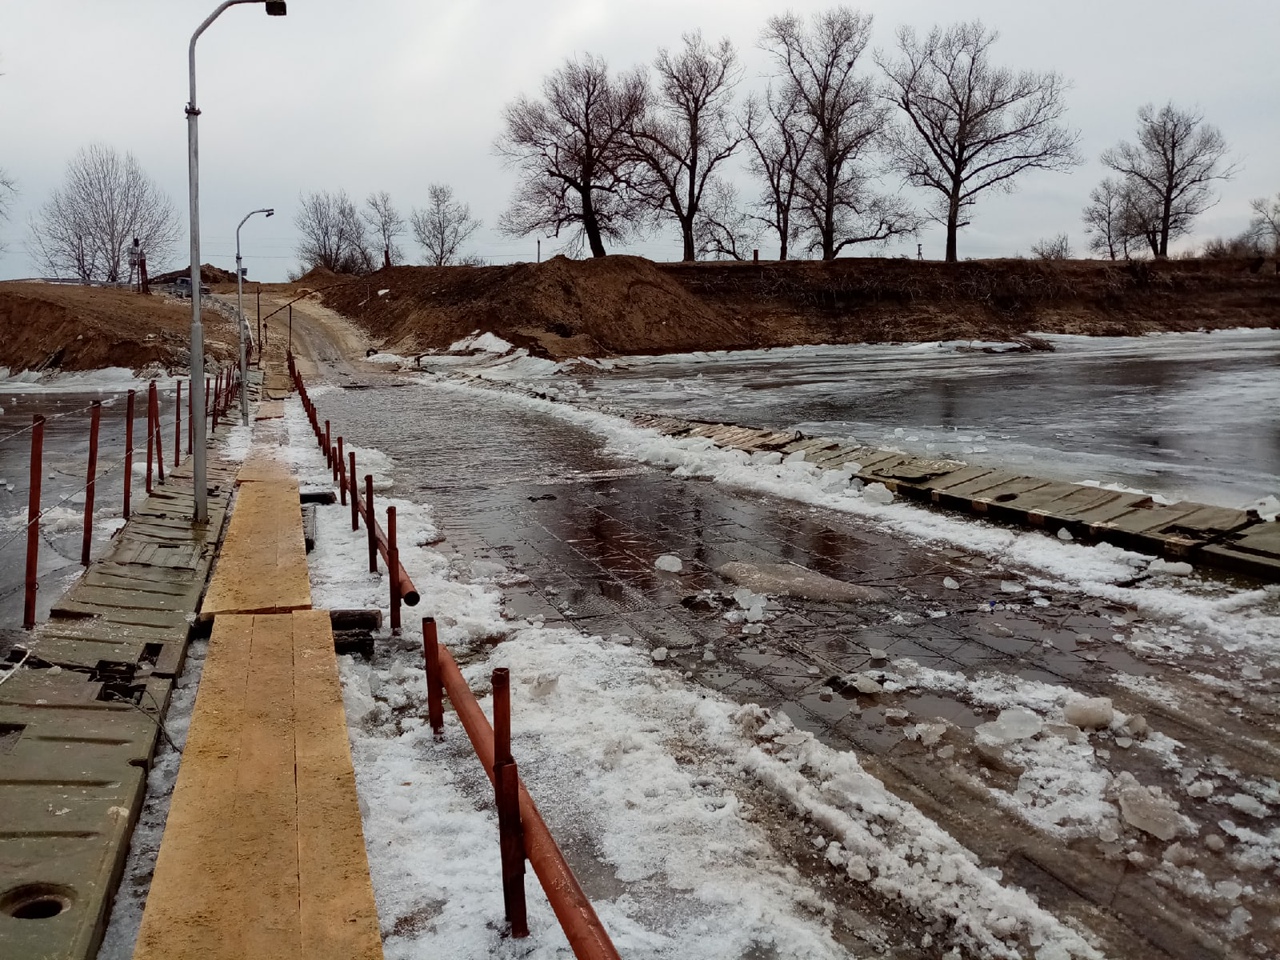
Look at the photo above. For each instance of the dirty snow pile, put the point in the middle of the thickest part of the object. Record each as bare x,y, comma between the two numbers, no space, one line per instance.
660,791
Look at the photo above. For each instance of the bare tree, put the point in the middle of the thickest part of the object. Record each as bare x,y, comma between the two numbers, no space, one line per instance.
780,139
1115,219
836,197
687,132
386,223
1265,224
1172,168
333,233
443,227
572,148
1054,248
971,126
8,190
86,227
724,230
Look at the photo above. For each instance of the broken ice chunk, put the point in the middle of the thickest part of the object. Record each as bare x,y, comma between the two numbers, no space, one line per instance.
1015,723
1247,804
1090,713
950,583
1171,568
1200,789
1009,586
877,493
668,563
1146,810
659,654
1065,535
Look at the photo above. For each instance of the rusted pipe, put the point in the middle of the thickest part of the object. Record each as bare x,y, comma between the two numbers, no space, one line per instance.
435,691
506,788
393,569
408,592
355,491
341,475
95,419
33,522
328,446
585,932
151,437
155,399
370,523
128,454
177,426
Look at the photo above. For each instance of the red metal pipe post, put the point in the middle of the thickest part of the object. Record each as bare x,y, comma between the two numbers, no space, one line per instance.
95,419
177,428
506,786
328,446
33,522
128,453
151,433
159,435
578,919
341,475
435,690
355,491
393,569
370,522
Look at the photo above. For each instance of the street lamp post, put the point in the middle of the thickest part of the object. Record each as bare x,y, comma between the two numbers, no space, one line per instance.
242,326
199,473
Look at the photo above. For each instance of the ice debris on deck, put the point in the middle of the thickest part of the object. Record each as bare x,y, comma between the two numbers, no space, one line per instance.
669,563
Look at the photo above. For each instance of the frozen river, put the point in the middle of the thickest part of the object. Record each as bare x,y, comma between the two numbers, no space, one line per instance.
1191,416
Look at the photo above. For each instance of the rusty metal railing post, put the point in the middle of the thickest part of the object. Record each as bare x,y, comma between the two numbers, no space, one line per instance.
217,395
355,491
333,461
128,454
393,569
506,786
151,433
370,522
33,522
435,686
95,419
207,409
155,400
328,446
340,475
177,428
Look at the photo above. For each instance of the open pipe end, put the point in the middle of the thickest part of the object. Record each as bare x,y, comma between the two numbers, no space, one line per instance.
411,598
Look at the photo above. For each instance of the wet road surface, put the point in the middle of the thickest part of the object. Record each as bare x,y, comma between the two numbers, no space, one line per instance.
514,487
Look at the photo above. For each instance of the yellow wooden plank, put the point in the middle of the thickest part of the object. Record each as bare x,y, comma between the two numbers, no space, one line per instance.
270,410
261,466
266,814
262,566
338,916
195,884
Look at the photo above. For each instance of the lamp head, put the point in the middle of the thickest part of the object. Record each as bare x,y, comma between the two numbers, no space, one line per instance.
271,213
276,8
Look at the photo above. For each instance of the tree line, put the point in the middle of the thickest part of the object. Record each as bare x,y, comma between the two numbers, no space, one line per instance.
602,156
836,133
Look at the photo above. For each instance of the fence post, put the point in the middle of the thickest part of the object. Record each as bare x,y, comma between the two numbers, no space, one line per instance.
151,433
128,453
95,419
355,491
435,686
177,428
207,409
393,569
370,523
191,389
217,395
155,394
33,522
341,475
506,785
334,461
328,446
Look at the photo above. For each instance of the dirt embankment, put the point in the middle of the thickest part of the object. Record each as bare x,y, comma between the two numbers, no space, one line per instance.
45,326
622,305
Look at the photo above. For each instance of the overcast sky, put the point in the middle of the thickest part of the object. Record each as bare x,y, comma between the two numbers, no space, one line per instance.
397,94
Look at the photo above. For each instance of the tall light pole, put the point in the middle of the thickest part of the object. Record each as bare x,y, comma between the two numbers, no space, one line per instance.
199,473
244,362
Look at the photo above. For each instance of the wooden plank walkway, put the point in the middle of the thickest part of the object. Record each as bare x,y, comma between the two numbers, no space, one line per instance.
1235,540
263,853
76,742
264,835
262,566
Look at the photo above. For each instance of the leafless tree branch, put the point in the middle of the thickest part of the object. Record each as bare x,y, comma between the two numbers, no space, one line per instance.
443,227
333,233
